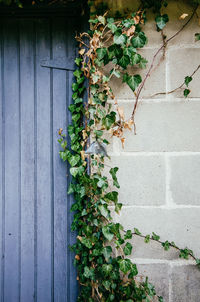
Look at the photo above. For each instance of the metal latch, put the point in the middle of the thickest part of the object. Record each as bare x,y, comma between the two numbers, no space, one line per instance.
59,63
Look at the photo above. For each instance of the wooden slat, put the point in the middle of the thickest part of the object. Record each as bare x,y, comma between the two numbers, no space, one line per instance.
60,197
2,160
12,162
27,159
44,169
72,288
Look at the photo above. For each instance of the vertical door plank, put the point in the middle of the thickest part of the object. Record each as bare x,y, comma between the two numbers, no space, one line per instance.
27,159
59,41
2,152
12,162
71,236
44,184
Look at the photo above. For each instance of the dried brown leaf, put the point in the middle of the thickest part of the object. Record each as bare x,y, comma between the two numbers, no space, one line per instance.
123,142
121,113
183,16
82,51
130,31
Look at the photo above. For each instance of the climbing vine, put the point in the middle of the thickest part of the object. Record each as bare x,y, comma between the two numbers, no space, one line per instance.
105,272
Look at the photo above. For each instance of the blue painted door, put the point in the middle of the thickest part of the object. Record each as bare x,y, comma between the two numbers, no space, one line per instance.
34,210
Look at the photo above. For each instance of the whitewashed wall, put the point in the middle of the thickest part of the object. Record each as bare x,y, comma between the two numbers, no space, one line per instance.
160,166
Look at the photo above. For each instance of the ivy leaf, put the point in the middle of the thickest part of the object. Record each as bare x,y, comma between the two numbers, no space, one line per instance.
109,120
161,21
107,233
102,20
103,210
125,265
137,232
76,171
124,61
112,26
106,284
74,159
132,81
197,37
198,263
115,73
128,234
113,196
134,271
107,269
188,80
143,62
166,245
186,92
139,41
127,249
101,52
118,207
155,237
107,251
147,239
98,133
113,172
85,241
88,272
119,38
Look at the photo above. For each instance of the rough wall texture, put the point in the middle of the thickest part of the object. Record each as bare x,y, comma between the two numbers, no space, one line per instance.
160,166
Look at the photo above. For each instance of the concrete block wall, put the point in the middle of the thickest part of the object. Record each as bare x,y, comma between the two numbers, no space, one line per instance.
159,168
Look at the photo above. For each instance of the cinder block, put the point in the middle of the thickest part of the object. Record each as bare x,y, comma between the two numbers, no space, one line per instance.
186,37
164,126
184,180
141,178
158,275
179,225
151,250
182,63
185,284
155,83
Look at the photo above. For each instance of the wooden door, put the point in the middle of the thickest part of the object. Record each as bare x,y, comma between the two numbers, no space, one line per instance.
36,264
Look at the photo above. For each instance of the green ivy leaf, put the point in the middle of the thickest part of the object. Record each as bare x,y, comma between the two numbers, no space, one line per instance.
124,61
73,160
106,230
125,265
155,237
147,239
128,234
113,172
102,20
101,52
76,171
127,249
186,92
161,21
166,245
197,37
132,81
107,269
136,231
119,38
107,251
139,41
115,73
118,207
88,272
188,80
113,196
104,211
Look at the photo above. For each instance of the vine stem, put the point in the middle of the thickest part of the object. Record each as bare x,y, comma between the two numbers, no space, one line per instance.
161,242
153,61
171,91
